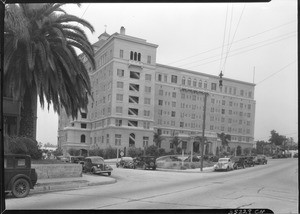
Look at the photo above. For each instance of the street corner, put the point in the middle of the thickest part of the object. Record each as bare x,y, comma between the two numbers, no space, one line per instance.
94,180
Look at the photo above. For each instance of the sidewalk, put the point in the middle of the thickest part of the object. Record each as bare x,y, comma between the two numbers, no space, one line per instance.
197,170
58,184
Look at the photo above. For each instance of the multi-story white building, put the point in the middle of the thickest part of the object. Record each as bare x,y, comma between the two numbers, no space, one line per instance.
133,97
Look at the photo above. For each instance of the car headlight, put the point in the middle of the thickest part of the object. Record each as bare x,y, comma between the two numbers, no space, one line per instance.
98,166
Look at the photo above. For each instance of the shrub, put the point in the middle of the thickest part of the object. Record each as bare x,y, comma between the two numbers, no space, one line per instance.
110,152
22,145
183,167
57,152
74,152
152,151
134,152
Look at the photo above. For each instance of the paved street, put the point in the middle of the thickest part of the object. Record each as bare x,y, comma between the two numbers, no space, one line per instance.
273,186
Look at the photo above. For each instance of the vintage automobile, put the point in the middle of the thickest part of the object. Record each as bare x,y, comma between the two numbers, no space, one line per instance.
260,159
126,162
95,165
145,162
167,161
19,177
239,162
249,161
76,159
224,164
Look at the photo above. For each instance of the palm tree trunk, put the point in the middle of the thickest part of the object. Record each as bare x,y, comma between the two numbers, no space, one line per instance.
28,115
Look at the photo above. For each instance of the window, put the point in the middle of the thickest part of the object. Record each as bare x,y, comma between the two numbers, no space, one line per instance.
133,123
83,115
182,96
189,82
223,111
134,87
200,84
107,138
82,138
241,105
205,84
139,57
171,146
223,102
173,79
118,139
147,113
173,114
248,114
173,104
184,144
148,77
83,125
194,97
250,94
118,122
120,84
149,59
119,109
119,97
147,101
230,112
120,73
229,120
212,100
160,102
146,125
145,141
174,94
147,89
134,75
183,81
211,127
249,106
241,113
234,91
165,78
121,54
159,77
195,83
240,122
133,99
133,111
213,86
230,103
172,123
181,124
242,92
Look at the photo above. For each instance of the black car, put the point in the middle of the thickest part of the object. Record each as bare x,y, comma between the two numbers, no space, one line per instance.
239,162
126,162
145,162
95,165
19,177
249,161
260,159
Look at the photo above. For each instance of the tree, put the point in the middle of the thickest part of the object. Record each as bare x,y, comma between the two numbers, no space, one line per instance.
238,150
157,139
225,138
261,147
41,61
58,152
74,152
152,151
276,139
175,141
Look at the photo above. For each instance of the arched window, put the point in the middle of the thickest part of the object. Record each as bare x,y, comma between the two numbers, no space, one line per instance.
200,84
189,81
82,138
183,81
139,57
135,56
195,83
131,55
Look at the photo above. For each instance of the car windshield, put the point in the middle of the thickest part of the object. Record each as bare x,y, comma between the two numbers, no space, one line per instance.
97,160
223,160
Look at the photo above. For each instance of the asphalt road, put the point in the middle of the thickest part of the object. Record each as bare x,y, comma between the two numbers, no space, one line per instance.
273,186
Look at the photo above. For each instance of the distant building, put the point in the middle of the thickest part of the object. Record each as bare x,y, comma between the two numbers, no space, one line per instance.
133,97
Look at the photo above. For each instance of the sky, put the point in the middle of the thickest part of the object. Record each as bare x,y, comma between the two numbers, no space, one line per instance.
251,42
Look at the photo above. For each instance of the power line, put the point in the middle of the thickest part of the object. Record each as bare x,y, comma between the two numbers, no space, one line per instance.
277,72
224,37
237,41
239,53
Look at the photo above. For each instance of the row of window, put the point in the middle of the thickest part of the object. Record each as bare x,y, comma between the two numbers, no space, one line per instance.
118,122
203,84
134,56
118,139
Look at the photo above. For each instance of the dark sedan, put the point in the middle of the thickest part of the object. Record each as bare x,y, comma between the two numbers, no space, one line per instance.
95,164
260,160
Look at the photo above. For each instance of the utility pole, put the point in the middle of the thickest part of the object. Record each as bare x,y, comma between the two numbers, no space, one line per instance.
203,130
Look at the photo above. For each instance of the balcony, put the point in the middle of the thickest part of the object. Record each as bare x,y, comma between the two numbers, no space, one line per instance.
135,63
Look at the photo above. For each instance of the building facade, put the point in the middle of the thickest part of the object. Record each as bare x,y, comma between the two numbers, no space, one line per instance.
133,97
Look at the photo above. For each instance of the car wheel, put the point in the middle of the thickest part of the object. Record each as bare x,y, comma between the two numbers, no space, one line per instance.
20,188
109,173
154,168
93,171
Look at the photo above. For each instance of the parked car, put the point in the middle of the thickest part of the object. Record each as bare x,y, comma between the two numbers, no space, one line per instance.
239,162
95,165
76,159
249,161
224,164
19,177
260,159
145,162
126,162
295,155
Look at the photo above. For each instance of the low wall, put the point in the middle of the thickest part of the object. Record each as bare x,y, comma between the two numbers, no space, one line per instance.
45,171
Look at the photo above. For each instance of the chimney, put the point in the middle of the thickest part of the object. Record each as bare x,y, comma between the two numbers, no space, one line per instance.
122,30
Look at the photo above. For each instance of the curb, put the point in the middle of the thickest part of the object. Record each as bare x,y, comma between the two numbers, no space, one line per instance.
68,185
207,169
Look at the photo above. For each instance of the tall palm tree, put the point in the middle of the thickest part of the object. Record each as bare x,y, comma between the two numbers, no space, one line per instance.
40,60
157,139
175,141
